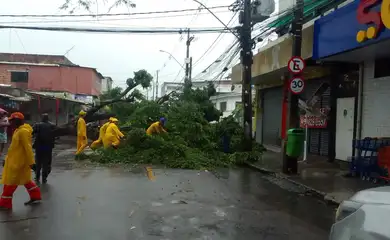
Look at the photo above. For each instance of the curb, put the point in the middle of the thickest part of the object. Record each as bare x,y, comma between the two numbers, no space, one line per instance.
309,190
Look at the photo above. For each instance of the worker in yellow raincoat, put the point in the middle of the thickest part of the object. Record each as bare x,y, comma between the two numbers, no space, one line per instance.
113,135
82,141
18,163
157,127
102,132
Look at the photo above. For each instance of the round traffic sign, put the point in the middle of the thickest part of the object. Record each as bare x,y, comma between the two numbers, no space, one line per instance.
296,65
297,85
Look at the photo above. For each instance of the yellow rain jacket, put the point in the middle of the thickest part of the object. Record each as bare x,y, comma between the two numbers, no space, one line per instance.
155,128
102,132
20,157
112,136
82,140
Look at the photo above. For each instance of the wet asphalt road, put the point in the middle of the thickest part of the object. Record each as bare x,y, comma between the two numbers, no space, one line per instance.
93,203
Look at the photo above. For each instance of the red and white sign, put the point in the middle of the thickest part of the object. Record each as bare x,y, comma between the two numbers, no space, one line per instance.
296,65
296,85
313,121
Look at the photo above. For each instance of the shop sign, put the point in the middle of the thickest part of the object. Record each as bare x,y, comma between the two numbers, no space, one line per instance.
376,18
315,121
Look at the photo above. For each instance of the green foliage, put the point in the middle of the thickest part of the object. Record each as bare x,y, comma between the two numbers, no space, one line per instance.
191,142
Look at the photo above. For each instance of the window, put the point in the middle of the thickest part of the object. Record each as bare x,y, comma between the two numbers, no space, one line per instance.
382,68
222,106
18,77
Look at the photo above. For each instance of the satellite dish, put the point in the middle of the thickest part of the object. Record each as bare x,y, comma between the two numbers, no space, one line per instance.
262,10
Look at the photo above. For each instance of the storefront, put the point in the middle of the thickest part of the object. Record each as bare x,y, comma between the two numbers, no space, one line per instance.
362,105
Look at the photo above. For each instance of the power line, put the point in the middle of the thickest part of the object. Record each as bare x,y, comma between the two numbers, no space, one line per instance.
110,14
45,20
213,43
117,30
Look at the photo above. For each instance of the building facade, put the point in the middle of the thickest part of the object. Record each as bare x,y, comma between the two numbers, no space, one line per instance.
349,35
324,83
106,84
48,73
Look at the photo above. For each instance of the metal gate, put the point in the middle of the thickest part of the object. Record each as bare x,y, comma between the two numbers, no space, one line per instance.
272,115
318,137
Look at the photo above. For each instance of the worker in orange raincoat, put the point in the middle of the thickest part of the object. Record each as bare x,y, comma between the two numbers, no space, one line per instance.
82,141
18,163
113,135
102,132
157,127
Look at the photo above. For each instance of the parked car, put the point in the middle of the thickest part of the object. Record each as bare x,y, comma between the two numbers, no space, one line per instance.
365,215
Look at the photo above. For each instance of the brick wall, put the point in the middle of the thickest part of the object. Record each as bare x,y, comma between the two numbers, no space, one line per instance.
72,79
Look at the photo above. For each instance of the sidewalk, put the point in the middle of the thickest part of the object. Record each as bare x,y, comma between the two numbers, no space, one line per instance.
319,177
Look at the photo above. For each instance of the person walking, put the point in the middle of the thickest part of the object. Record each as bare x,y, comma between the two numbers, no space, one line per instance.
18,164
43,145
82,141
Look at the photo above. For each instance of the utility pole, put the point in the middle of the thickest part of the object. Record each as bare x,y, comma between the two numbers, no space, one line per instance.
290,164
157,84
188,60
153,87
190,71
246,63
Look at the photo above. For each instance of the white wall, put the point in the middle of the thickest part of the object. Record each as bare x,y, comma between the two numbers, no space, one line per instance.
376,99
230,100
106,85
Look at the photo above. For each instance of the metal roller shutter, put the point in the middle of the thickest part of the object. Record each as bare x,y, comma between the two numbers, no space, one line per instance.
318,138
272,115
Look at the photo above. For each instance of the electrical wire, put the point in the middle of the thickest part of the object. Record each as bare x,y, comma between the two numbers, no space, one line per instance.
111,14
265,30
213,44
117,30
45,20
191,21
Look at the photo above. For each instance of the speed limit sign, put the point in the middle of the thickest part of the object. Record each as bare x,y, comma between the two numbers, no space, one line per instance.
297,85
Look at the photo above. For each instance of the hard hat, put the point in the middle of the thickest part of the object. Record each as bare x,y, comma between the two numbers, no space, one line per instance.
82,113
114,120
16,115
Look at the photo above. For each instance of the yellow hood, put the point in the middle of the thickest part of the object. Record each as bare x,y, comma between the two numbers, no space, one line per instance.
27,127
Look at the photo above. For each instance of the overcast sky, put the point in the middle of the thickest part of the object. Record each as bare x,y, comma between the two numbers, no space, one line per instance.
118,55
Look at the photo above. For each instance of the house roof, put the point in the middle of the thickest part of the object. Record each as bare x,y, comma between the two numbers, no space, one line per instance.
35,58
40,60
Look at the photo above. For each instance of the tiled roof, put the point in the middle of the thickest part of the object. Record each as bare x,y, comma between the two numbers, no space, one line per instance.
35,58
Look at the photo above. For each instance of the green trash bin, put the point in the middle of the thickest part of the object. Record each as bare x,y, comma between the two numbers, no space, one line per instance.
295,142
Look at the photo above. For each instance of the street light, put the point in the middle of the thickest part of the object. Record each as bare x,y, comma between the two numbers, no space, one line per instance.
173,58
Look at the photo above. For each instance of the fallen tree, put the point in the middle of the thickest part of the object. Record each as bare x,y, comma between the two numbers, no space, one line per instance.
196,137
112,98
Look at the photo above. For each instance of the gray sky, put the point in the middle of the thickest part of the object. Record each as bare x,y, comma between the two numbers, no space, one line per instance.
117,55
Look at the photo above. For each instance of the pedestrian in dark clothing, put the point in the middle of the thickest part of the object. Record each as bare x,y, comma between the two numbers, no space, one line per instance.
43,145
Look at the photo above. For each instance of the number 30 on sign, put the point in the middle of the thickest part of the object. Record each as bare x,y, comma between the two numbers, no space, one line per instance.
297,85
